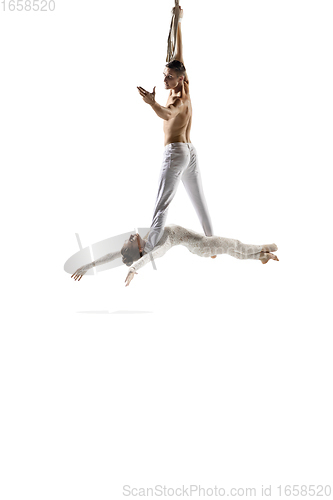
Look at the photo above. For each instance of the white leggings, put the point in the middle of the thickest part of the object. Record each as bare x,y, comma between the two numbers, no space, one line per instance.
179,163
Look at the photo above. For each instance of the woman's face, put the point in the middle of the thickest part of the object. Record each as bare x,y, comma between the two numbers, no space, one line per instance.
133,244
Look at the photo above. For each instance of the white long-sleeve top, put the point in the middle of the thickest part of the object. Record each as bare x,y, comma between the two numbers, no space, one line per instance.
199,244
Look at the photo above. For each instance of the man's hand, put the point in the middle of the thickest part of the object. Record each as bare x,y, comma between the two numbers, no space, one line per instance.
148,97
81,272
185,87
181,12
129,277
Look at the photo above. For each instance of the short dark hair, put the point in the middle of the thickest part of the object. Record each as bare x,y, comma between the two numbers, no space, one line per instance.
177,66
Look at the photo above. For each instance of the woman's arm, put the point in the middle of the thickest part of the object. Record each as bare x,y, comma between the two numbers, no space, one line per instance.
156,253
103,260
106,258
145,259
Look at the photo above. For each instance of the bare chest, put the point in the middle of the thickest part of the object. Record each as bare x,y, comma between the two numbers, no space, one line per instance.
186,100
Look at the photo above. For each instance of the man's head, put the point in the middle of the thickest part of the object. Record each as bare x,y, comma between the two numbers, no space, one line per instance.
174,74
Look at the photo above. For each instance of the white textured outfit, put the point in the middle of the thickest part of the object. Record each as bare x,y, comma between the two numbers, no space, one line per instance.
204,246
180,162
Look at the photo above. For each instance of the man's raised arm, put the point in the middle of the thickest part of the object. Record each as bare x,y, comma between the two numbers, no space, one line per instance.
179,44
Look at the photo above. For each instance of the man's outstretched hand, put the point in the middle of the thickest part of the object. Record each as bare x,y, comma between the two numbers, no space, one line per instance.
148,97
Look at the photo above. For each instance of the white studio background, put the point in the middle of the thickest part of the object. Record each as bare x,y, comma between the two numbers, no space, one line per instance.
206,371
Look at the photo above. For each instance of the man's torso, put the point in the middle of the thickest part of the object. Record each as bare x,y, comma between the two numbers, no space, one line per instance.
178,129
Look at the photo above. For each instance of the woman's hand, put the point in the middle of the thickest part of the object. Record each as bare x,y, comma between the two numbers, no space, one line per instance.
81,272
148,97
129,277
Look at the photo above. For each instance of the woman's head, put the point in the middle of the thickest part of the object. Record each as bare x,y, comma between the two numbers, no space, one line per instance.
132,249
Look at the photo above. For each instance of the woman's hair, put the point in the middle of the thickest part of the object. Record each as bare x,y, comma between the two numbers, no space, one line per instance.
129,256
177,66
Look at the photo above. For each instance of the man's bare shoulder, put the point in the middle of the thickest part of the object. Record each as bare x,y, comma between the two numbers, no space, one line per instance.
176,102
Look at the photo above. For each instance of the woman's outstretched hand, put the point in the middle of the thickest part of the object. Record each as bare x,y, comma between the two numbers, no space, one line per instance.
81,272
148,97
129,277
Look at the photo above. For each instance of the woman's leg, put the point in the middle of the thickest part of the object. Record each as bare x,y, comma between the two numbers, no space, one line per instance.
207,246
237,249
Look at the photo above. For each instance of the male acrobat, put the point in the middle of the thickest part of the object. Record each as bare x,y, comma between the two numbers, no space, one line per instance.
180,157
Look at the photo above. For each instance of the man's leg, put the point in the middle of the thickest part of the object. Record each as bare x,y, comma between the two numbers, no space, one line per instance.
175,159
192,182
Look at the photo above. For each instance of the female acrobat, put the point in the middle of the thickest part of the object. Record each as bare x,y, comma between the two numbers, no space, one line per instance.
133,250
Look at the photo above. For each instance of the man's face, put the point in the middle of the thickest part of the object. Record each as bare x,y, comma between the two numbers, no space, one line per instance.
171,80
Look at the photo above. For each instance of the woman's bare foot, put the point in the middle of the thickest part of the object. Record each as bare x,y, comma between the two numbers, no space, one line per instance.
266,256
272,247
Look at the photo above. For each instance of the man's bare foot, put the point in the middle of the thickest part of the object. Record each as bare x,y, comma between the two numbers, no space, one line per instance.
266,256
213,256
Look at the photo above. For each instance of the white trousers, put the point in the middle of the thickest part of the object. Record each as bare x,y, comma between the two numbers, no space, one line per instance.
180,162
